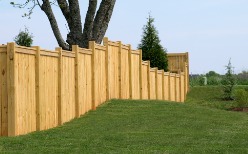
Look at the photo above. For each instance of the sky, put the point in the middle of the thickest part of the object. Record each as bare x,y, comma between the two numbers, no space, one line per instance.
212,31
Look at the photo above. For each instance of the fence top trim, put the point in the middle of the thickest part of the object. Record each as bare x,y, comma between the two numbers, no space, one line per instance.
167,73
176,54
172,74
100,47
137,52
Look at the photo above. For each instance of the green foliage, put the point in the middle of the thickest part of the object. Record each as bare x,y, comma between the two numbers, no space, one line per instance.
242,78
208,96
196,81
24,38
241,97
151,48
214,80
228,82
212,74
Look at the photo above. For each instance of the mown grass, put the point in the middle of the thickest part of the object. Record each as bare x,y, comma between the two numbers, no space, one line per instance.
125,126
210,96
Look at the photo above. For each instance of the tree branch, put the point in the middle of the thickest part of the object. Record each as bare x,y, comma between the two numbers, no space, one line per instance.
75,35
89,20
63,5
46,7
102,19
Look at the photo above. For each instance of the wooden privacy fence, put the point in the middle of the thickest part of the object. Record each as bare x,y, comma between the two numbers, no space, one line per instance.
41,89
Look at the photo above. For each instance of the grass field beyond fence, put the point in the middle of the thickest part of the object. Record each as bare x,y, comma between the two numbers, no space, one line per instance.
128,126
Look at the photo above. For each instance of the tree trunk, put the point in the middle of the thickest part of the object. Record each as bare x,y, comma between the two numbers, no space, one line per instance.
95,26
102,19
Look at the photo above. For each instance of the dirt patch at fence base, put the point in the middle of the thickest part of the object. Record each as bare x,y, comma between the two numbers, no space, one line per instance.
239,109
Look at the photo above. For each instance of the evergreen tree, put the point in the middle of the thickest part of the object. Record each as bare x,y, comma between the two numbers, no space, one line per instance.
151,48
228,82
24,38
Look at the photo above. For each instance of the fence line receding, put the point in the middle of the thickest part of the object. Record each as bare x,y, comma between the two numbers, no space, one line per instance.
41,89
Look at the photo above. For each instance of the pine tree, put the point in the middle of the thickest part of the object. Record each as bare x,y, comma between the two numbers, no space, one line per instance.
228,82
151,48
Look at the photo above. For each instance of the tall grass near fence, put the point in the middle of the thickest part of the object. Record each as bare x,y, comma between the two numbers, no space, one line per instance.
41,89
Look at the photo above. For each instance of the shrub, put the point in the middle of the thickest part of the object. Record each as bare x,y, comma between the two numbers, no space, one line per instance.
24,38
241,97
196,81
214,80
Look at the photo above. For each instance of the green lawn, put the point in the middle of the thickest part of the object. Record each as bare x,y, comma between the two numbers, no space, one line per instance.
125,126
210,96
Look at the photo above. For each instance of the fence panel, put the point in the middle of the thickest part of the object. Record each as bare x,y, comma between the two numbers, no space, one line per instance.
25,90
48,90
160,84
153,83
3,92
166,86
145,69
172,87
68,86
113,68
100,73
182,88
41,89
124,72
135,74
176,61
85,80
178,88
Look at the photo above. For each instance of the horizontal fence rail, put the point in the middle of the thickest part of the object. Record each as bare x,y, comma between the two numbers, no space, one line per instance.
41,89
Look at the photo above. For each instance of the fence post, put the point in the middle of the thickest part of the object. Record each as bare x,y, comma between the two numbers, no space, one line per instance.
163,97
105,43
92,46
187,55
119,68
156,82
148,80
60,84
37,86
11,86
169,86
130,72
186,78
175,87
140,74
180,87
75,48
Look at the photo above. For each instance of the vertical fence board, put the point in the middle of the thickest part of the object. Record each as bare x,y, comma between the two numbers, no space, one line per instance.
160,85
3,92
182,88
68,88
124,76
135,73
177,91
153,84
166,86
85,82
172,87
100,74
145,80
113,68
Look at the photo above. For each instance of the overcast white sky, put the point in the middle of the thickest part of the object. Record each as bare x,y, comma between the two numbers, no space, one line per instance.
212,31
